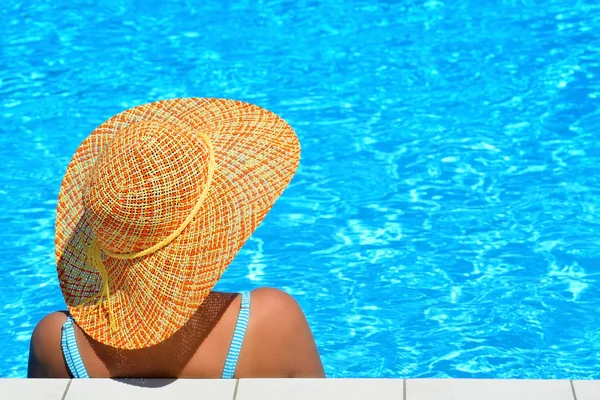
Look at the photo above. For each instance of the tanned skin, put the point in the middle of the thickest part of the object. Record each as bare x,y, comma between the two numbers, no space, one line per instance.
278,343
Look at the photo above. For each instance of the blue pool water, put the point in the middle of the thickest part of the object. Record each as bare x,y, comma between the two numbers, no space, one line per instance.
445,219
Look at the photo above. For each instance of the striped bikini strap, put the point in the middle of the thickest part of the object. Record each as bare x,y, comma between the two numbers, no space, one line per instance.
238,337
70,350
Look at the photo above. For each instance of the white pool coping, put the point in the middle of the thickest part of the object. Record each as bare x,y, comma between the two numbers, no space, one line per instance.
300,389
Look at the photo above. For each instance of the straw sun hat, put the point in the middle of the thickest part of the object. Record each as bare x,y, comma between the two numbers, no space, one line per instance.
154,206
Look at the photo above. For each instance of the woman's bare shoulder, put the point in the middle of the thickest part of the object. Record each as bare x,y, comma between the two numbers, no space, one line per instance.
277,312
45,354
273,299
281,336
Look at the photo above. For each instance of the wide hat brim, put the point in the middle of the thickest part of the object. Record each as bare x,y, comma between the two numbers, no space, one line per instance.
256,154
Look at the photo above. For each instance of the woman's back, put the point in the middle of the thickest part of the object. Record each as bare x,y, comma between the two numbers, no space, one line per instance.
276,343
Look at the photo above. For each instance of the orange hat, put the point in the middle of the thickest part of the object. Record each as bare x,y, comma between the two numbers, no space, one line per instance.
154,206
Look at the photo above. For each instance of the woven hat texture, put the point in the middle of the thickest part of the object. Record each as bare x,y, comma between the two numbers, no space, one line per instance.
154,206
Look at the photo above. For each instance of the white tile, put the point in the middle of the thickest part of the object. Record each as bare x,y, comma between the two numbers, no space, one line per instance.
51,389
488,389
587,390
147,389
317,389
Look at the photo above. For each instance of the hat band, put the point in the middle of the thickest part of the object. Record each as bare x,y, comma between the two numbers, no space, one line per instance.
93,258
94,248
190,217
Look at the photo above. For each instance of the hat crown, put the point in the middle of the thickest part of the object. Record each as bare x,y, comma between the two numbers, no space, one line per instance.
144,184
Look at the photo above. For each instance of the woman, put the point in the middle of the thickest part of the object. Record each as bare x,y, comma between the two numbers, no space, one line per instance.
154,206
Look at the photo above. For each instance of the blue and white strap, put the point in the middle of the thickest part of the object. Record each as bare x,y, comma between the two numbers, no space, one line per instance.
238,337
69,347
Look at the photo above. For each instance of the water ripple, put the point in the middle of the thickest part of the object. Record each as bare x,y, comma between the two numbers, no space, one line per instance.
443,220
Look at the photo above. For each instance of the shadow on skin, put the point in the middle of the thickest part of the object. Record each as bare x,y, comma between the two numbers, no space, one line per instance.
168,358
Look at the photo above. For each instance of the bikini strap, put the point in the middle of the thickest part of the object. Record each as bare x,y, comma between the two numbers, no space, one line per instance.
70,350
238,337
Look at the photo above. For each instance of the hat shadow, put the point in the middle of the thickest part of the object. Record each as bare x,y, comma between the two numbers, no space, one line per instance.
166,360
160,364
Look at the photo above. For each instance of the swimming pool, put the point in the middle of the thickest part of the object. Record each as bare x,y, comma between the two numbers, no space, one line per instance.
445,217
